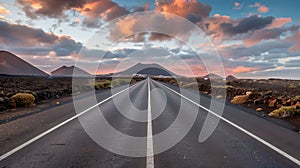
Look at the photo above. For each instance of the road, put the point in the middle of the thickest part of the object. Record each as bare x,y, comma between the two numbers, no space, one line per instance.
240,139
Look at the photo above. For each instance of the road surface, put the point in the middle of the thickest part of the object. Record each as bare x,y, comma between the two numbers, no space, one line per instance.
55,138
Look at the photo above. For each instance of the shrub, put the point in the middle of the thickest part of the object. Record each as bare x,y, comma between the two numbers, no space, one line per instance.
115,82
173,82
293,87
102,85
124,81
297,98
118,82
23,99
285,111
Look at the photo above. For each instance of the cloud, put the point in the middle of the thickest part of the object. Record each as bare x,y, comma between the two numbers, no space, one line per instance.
49,8
260,8
75,22
266,34
293,63
30,41
245,25
2,18
221,27
159,37
21,35
140,37
3,11
278,22
242,69
274,73
296,40
66,46
279,47
145,7
191,9
92,10
212,26
237,6
105,10
251,29
164,22
95,12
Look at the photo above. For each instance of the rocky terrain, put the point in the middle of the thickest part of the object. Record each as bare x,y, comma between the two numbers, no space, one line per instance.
27,91
41,88
274,97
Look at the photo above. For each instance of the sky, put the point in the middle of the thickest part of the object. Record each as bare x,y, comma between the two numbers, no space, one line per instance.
254,39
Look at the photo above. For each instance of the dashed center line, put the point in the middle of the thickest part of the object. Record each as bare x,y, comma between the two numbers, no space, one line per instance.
150,155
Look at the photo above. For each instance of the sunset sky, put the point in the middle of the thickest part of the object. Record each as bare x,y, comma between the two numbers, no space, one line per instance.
255,39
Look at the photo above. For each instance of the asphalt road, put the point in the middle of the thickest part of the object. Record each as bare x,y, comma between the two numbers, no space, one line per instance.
70,145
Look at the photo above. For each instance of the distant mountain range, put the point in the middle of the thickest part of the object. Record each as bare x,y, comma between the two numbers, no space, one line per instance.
10,64
214,76
231,78
146,69
65,71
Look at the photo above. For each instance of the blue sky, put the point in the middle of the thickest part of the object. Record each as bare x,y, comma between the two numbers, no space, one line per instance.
254,38
278,8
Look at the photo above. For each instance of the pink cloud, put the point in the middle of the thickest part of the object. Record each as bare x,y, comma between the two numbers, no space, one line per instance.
296,39
241,69
260,7
278,22
262,35
237,6
266,34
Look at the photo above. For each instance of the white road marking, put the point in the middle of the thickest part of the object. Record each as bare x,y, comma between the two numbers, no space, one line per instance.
57,126
281,152
150,156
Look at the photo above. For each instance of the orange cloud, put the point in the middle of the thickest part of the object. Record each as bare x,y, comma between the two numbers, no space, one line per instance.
93,10
183,8
97,9
278,22
242,69
260,7
125,26
4,11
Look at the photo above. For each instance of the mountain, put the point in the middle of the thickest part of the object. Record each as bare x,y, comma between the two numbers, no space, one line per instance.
231,78
212,76
146,69
65,71
11,64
